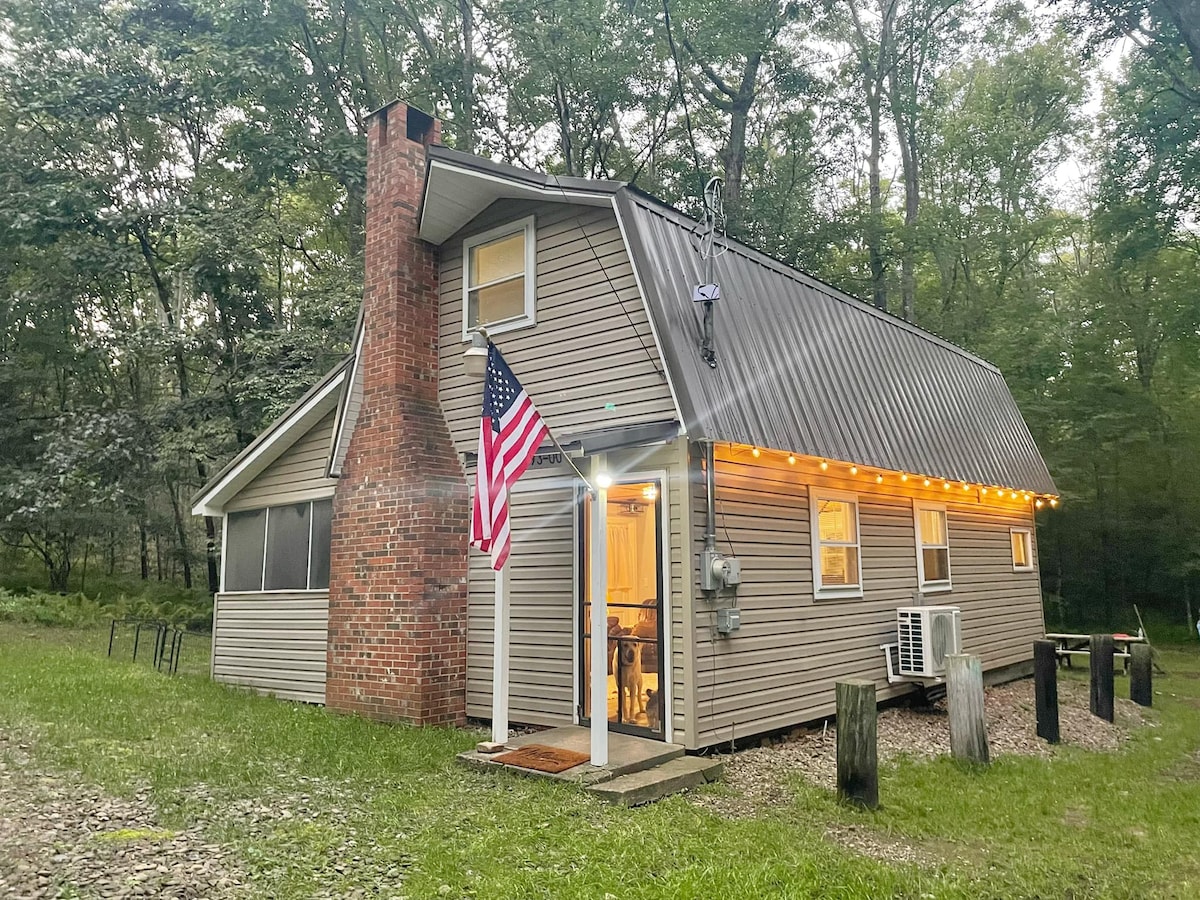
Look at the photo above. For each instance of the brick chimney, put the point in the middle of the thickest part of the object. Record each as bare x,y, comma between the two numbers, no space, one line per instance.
398,571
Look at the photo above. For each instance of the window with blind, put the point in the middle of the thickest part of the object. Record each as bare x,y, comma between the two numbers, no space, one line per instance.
837,561
933,546
499,284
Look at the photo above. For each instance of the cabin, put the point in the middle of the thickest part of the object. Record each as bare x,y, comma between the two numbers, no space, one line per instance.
782,487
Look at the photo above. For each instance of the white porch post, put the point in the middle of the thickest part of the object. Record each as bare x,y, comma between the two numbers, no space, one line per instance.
500,659
598,560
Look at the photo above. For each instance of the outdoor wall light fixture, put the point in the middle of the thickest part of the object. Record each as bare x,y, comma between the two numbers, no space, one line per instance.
475,356
604,481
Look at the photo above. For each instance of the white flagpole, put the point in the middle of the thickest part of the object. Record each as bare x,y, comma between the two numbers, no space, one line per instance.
500,659
598,559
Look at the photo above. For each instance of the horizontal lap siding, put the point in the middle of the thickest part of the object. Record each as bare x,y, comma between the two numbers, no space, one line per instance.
779,669
273,643
541,573
590,362
298,474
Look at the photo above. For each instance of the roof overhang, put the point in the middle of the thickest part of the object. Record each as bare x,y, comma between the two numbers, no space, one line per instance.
458,187
271,444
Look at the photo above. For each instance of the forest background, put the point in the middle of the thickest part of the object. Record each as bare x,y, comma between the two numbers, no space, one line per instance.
182,205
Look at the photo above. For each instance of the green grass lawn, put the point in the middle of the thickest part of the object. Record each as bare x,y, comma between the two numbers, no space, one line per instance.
386,807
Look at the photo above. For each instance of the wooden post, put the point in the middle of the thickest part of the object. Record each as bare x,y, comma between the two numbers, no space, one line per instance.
1140,675
857,752
1100,658
1045,690
964,697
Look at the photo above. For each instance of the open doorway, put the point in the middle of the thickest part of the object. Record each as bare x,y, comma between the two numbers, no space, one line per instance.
634,640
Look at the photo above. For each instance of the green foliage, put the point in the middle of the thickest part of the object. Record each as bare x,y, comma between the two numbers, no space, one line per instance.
34,607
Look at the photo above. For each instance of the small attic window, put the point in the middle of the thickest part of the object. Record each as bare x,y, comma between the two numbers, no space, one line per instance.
499,279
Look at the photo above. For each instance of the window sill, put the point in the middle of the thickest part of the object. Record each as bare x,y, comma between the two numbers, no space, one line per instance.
1023,569
831,594
500,327
939,588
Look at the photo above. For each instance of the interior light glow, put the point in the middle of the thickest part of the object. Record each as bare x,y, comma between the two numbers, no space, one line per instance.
650,492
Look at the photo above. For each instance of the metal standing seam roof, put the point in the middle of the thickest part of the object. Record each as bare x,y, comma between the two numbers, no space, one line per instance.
802,367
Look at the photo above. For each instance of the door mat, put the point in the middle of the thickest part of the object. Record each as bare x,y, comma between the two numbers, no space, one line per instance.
542,758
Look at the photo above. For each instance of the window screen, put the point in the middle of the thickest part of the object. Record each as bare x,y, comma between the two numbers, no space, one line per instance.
244,550
318,572
287,548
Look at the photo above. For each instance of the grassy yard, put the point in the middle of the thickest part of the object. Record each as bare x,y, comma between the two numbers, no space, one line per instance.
308,800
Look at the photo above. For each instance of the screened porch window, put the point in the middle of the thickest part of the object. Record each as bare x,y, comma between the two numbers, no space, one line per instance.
933,546
837,562
280,548
498,278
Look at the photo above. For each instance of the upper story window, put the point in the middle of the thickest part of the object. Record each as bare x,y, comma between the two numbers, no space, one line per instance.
933,546
1022,549
499,282
837,563
281,548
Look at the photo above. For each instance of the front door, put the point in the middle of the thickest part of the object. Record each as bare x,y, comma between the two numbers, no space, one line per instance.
634,642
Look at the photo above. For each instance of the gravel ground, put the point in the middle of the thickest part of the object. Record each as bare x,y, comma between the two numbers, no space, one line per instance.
62,838
758,778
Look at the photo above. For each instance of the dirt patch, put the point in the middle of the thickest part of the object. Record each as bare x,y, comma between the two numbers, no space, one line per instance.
759,778
62,838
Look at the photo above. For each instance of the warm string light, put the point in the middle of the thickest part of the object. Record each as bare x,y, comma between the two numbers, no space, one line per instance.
1037,501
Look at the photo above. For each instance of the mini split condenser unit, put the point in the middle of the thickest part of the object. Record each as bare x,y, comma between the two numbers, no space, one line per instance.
927,635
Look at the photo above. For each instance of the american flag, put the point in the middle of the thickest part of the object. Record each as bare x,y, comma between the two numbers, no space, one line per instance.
510,433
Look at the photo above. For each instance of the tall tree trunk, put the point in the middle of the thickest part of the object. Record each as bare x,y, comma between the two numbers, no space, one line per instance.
466,100
181,535
143,552
875,220
735,149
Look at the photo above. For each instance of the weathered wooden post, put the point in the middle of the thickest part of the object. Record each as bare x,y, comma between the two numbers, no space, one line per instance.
964,699
1140,676
1045,689
857,751
1100,658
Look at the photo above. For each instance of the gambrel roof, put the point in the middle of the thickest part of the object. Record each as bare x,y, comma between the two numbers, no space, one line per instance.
801,366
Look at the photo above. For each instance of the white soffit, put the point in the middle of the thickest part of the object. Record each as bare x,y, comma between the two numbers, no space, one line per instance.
454,195
272,444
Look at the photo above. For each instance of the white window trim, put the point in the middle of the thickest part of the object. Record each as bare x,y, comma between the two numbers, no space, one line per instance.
1028,536
841,591
931,587
529,318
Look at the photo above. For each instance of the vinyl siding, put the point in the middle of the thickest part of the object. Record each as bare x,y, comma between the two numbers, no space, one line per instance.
779,669
273,643
298,474
542,612
590,362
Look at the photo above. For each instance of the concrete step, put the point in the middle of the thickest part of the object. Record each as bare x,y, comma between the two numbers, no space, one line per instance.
648,785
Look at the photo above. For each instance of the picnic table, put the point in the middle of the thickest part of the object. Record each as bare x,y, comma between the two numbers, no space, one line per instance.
1069,645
